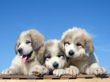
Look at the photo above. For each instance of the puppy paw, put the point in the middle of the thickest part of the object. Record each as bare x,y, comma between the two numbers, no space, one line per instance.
44,70
96,71
72,70
8,71
59,72
39,71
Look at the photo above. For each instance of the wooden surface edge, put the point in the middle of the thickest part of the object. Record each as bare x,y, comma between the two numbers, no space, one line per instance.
53,76
69,80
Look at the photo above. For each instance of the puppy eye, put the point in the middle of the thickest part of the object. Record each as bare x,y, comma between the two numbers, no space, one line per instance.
48,57
66,43
27,42
78,44
60,55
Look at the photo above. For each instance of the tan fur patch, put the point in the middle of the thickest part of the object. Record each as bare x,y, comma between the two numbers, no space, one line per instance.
53,48
34,36
37,39
79,35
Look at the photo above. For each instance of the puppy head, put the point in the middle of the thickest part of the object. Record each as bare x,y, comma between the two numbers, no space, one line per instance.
27,43
54,57
77,43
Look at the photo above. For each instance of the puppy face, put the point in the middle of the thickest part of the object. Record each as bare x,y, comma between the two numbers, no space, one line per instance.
77,43
27,43
54,58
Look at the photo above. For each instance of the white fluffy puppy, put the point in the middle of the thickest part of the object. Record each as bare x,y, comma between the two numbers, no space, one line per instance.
29,49
78,46
55,59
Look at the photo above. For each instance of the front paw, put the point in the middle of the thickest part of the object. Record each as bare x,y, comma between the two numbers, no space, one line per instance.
59,72
72,70
39,71
8,72
96,71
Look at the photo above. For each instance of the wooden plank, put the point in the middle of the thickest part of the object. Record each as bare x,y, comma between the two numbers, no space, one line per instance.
68,77
70,80
19,76
53,76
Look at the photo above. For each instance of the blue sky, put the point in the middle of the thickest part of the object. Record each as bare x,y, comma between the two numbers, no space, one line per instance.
52,18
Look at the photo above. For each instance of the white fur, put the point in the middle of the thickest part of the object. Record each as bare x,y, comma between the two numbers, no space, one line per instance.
72,70
84,62
59,72
31,65
68,48
71,30
52,60
18,68
77,52
61,61
26,48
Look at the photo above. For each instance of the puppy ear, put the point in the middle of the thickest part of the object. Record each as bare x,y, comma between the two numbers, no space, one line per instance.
41,55
16,46
37,39
89,45
16,51
61,46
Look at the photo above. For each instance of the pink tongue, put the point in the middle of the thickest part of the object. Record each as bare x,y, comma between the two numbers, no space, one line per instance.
24,59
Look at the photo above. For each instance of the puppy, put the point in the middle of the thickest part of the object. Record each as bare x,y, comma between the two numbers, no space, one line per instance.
78,47
55,59
29,49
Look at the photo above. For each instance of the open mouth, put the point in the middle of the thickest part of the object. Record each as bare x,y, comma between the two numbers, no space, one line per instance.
26,57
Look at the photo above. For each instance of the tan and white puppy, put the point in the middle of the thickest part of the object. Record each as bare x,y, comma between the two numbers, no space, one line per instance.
29,49
55,59
78,46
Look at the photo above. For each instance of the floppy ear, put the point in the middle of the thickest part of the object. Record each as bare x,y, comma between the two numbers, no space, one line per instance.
89,45
41,55
17,44
37,39
16,51
61,46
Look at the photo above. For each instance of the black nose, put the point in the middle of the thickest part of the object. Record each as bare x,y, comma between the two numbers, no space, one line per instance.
55,65
20,50
71,52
